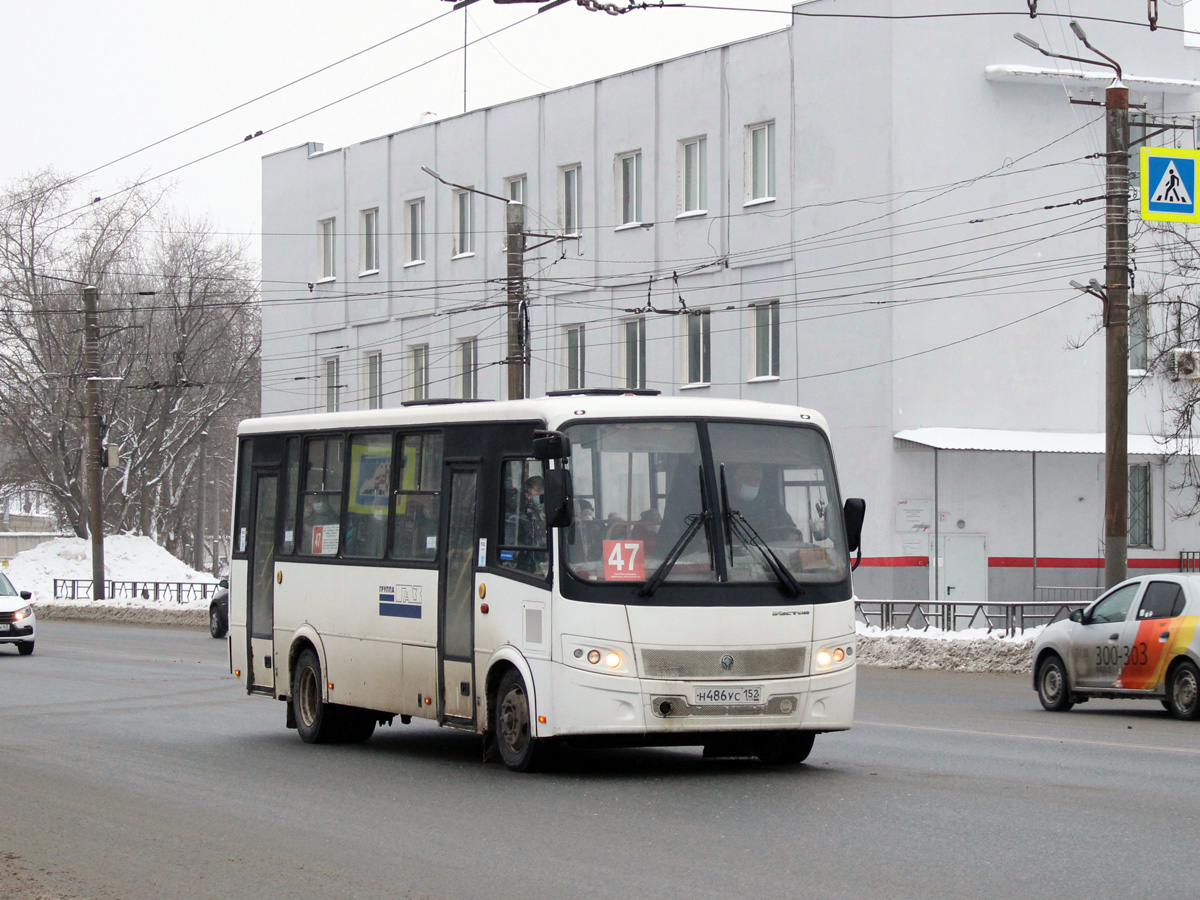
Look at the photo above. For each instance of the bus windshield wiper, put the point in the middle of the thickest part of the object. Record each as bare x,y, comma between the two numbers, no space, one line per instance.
737,525
694,523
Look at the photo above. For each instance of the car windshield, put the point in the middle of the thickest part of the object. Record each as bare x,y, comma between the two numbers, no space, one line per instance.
642,497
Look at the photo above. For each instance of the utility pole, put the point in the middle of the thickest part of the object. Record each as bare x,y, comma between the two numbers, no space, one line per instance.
1115,299
515,249
1116,328
91,357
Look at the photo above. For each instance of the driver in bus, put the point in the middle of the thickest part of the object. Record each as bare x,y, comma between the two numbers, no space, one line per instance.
759,503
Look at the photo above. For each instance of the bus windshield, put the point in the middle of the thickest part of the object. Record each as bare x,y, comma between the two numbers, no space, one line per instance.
765,510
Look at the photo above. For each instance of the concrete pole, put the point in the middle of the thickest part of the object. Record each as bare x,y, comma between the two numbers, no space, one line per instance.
1116,326
91,356
201,519
515,247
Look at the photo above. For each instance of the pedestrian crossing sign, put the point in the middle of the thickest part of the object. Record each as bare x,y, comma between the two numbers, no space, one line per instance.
1168,185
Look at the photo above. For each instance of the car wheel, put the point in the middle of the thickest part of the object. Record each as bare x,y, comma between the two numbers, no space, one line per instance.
519,750
786,749
1183,691
1052,686
217,626
25,648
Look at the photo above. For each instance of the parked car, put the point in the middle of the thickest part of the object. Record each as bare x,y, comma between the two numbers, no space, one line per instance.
1138,640
218,610
17,621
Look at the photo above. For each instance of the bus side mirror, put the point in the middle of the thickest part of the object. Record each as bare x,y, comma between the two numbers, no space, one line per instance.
558,498
548,445
854,513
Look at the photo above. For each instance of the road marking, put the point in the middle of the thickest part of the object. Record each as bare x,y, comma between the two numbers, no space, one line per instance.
1190,751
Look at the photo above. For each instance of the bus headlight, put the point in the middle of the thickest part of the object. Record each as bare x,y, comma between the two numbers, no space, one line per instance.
829,657
595,655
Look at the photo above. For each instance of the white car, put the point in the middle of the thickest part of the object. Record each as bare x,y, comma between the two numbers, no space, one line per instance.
1138,640
17,620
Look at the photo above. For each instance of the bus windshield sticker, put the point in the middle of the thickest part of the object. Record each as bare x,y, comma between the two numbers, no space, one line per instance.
400,600
624,561
483,551
242,541
325,539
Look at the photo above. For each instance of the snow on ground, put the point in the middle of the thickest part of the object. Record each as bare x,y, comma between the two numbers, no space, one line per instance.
127,557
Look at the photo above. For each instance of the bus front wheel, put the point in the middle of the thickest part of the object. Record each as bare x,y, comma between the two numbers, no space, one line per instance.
787,749
519,750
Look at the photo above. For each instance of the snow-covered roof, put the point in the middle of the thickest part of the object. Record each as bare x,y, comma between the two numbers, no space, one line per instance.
1075,78
1041,441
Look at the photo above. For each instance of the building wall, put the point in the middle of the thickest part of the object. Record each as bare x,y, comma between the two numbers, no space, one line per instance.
921,280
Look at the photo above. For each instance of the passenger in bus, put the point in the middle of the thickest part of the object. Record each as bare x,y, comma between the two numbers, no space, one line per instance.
646,529
526,527
589,534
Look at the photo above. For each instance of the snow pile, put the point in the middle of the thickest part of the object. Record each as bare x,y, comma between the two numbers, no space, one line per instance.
972,650
127,557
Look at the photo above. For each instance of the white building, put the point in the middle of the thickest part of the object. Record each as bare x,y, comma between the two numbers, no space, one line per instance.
879,216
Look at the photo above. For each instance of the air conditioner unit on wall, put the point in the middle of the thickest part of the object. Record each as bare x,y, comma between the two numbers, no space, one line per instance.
1185,364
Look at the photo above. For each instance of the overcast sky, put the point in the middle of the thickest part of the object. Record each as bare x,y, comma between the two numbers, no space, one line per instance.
87,83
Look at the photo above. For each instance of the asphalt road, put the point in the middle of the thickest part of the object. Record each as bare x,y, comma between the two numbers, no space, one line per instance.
134,766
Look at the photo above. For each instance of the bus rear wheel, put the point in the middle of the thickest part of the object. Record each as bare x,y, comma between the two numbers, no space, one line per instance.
519,750
319,722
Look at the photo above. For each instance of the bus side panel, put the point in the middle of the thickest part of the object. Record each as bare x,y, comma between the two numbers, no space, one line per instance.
237,618
366,615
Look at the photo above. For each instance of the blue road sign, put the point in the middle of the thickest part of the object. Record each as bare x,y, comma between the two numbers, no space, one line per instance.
1168,184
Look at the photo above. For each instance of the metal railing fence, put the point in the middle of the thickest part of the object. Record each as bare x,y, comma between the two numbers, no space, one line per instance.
158,591
1009,617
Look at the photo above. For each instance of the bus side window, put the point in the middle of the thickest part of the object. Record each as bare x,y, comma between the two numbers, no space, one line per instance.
523,526
367,506
242,516
321,510
418,497
289,486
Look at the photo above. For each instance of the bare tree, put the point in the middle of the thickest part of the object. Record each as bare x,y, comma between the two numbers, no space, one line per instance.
179,340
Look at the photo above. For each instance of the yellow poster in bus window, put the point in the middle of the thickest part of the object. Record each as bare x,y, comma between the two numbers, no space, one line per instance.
409,466
370,472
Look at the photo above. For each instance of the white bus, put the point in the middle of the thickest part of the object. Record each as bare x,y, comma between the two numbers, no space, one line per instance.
596,568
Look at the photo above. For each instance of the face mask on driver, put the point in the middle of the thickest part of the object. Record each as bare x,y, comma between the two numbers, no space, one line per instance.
747,492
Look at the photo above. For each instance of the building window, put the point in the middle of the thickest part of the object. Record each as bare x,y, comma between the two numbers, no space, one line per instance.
699,341
468,368
575,358
369,241
420,372
1139,332
374,367
693,175
629,188
332,385
760,162
1139,505
516,188
570,210
766,339
635,353
416,230
464,225
328,232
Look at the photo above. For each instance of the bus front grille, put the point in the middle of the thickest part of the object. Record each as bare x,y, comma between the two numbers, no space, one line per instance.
775,662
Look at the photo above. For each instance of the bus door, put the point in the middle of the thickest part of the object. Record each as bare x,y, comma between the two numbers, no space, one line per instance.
456,598
260,578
